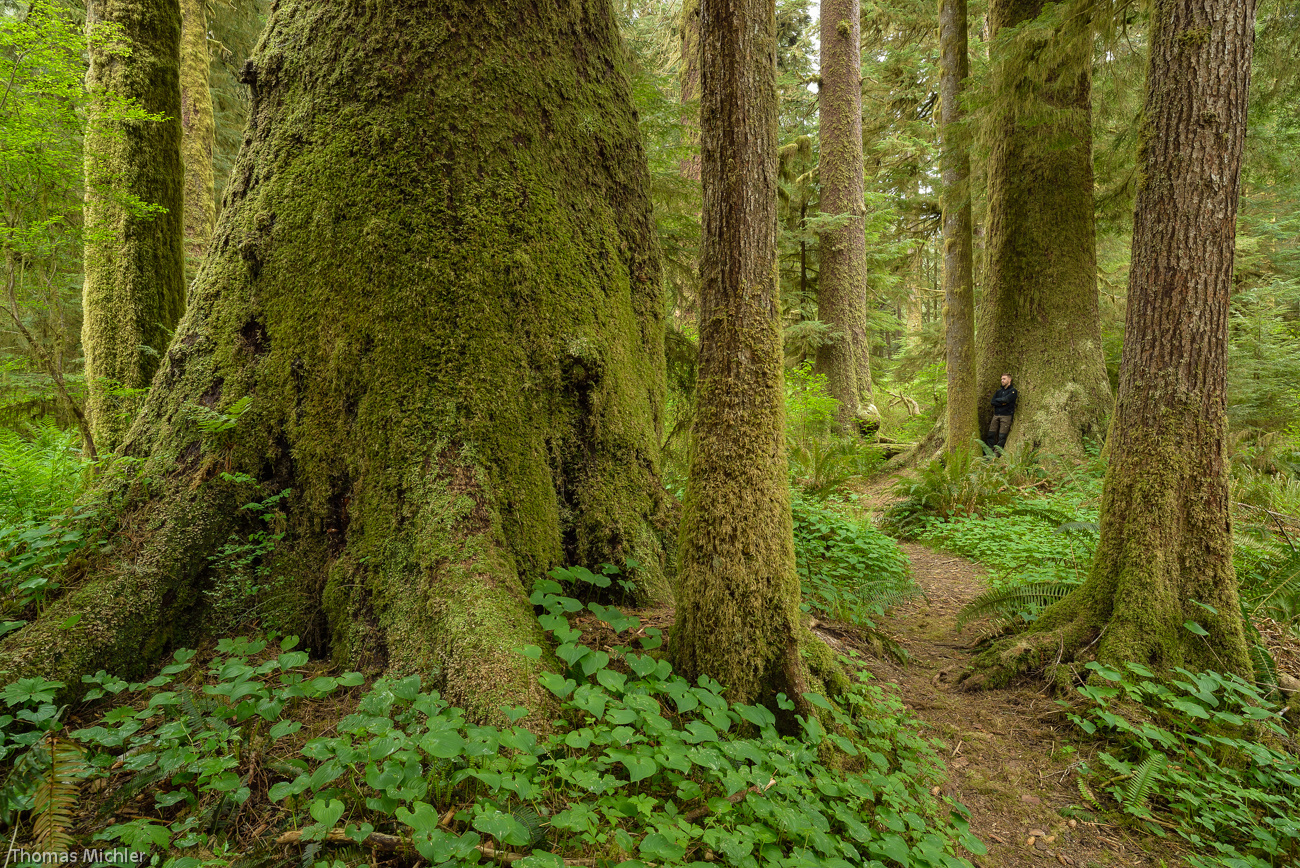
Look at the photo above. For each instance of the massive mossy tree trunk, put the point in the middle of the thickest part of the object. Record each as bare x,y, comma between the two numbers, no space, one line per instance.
842,284
737,592
435,276
1039,318
135,265
958,249
198,134
1166,539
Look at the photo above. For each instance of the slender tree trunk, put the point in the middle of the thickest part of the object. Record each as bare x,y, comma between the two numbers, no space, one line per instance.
1166,539
198,131
440,289
842,283
135,268
689,82
738,593
958,251
1039,318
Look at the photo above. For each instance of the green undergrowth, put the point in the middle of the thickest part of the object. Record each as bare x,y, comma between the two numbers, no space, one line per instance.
41,477
848,569
640,767
1201,757
1034,524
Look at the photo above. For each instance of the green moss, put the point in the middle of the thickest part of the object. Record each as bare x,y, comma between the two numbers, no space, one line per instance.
135,281
441,291
198,134
1039,318
1165,549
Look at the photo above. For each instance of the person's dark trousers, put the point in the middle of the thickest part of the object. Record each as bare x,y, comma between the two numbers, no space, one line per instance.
999,428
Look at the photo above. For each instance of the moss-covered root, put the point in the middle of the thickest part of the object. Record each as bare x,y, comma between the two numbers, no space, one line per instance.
123,609
1146,587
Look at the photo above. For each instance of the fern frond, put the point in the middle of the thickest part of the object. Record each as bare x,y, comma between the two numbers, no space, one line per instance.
1004,603
1281,583
1086,792
1261,660
1140,784
533,822
56,795
1045,513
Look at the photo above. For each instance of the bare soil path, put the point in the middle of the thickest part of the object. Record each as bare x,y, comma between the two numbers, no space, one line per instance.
1009,753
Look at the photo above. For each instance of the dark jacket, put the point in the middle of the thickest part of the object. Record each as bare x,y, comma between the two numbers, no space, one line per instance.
1004,401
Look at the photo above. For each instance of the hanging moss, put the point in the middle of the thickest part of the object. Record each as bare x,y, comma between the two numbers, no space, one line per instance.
135,277
435,275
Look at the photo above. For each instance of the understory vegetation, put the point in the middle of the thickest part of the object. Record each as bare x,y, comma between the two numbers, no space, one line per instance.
1207,758
257,747
252,749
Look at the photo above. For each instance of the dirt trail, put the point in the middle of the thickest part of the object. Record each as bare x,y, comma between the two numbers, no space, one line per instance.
1008,752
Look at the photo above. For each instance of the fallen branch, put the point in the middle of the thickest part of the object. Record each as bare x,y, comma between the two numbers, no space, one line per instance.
376,840
734,798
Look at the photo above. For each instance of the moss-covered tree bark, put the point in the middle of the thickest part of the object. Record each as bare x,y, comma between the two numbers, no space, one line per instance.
958,228
737,592
689,84
135,267
1039,318
436,278
198,134
842,283
1166,538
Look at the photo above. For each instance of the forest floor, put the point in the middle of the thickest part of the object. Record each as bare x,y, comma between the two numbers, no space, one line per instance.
1010,753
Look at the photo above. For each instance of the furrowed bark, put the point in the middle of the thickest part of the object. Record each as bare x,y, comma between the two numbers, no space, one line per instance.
738,593
842,286
198,132
1165,551
958,249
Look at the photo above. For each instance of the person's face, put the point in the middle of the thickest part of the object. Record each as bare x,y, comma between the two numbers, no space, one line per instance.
1006,381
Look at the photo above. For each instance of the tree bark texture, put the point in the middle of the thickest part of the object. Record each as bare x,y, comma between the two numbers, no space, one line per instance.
436,277
1166,539
958,251
738,593
198,133
689,82
135,268
842,284
1039,318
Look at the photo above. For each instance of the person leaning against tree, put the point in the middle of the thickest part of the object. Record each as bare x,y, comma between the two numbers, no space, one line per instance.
1004,408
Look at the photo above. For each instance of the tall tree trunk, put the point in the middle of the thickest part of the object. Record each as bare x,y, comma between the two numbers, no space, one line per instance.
738,593
958,251
135,265
842,282
689,83
198,132
439,287
1039,318
1166,539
